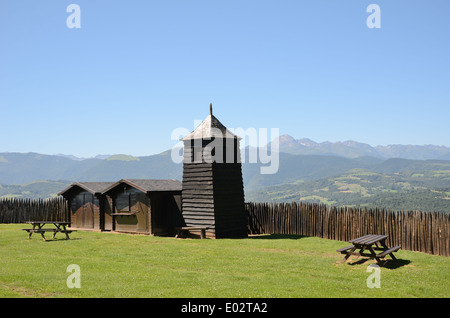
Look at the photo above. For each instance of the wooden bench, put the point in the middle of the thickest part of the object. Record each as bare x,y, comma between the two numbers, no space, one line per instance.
39,230
181,231
389,251
345,249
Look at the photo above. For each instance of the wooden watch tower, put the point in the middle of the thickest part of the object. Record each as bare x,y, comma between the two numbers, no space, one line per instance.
213,191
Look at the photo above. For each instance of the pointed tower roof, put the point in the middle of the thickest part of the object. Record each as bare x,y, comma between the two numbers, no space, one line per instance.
210,127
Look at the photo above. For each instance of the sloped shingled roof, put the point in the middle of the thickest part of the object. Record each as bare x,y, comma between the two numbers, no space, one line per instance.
144,185
149,185
92,187
210,127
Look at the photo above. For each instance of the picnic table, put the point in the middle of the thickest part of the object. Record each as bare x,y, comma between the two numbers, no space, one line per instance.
370,243
38,228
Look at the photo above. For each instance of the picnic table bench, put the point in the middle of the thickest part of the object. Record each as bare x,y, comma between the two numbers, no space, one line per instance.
370,243
60,227
181,231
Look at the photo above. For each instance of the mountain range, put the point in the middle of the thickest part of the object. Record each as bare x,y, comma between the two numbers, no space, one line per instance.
344,173
354,149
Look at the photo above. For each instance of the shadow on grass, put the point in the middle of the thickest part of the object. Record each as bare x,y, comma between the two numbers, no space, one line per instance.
59,239
388,263
276,237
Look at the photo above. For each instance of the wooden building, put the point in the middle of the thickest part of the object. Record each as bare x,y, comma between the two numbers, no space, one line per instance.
145,206
213,191
210,196
86,204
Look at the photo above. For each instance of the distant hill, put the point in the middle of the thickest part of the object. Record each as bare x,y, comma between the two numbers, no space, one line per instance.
364,181
302,167
427,189
354,149
20,168
33,190
339,173
424,152
445,157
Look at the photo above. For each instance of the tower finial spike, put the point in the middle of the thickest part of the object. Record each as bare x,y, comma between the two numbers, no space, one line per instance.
210,109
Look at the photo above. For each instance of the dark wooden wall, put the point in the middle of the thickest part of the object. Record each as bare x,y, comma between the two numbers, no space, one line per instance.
165,213
213,197
231,219
198,196
131,211
106,208
135,211
213,192
84,210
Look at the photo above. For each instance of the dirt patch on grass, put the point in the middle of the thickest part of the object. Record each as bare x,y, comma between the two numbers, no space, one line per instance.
278,250
23,291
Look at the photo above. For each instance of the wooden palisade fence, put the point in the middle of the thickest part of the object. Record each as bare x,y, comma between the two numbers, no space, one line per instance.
19,210
427,232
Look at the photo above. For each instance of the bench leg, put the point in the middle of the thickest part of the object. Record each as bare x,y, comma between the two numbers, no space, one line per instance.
372,252
203,233
65,232
346,257
31,231
386,248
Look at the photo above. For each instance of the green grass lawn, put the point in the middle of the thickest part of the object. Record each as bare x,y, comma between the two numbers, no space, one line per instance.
120,265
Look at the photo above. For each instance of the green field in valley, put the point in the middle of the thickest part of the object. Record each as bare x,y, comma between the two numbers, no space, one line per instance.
121,265
427,191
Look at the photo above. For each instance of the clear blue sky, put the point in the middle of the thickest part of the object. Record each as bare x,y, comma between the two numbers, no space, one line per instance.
136,70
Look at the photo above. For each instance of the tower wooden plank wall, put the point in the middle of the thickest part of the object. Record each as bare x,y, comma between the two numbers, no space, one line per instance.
213,192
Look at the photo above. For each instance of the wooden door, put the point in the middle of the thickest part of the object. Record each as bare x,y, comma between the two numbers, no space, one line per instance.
107,217
141,206
88,211
83,210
